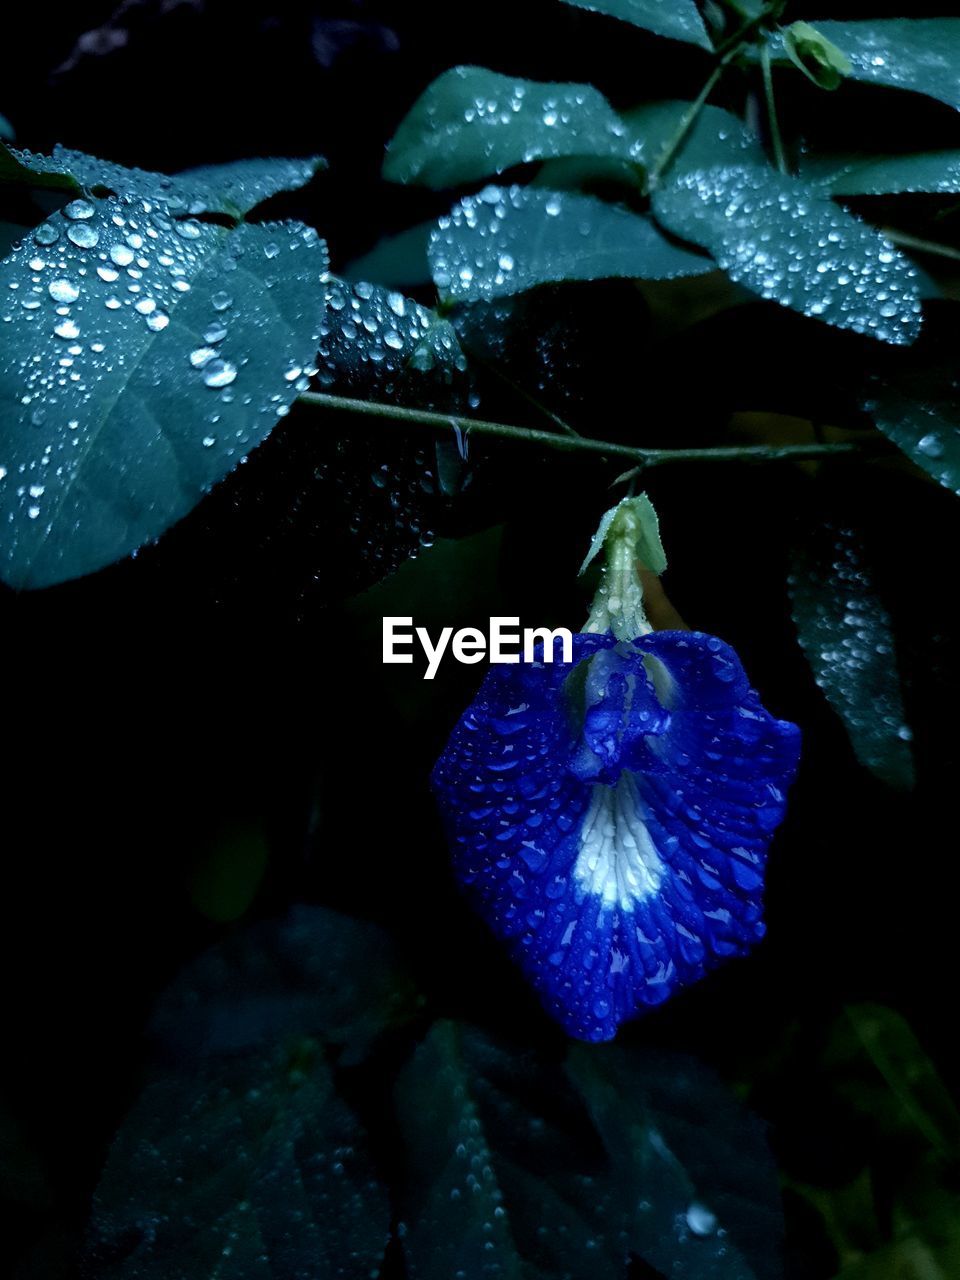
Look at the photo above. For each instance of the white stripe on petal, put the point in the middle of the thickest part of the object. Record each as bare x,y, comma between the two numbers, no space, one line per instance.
618,861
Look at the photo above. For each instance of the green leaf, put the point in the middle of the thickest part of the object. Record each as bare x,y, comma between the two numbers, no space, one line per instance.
847,637
314,972
921,54
22,167
817,57
230,189
930,1252
472,122
225,877
502,1171
509,239
877,1067
915,401
143,359
920,1093
238,187
694,1161
937,172
715,137
786,241
676,19
242,1170
378,344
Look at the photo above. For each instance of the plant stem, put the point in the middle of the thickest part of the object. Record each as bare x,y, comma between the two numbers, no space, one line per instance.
776,137
725,53
524,394
580,444
679,135
922,246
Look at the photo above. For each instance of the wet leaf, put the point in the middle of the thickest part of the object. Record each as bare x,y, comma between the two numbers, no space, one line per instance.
716,136
677,19
921,54
786,241
334,501
514,1163
547,342
916,403
472,122
847,637
230,189
502,1169
143,359
243,1169
937,172
238,187
378,344
694,1161
33,170
315,973
509,239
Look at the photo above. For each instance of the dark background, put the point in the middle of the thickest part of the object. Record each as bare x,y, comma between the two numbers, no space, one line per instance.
219,694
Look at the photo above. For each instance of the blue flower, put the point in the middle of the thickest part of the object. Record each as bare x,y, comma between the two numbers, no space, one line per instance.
610,817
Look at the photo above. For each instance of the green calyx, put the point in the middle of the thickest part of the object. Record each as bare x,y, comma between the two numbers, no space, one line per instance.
629,535
817,57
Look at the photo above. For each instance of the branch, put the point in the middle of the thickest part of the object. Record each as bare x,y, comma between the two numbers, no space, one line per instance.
641,458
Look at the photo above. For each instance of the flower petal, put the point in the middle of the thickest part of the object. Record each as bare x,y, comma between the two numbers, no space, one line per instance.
610,820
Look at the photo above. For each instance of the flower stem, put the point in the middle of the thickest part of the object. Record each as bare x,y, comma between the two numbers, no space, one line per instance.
776,137
581,444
